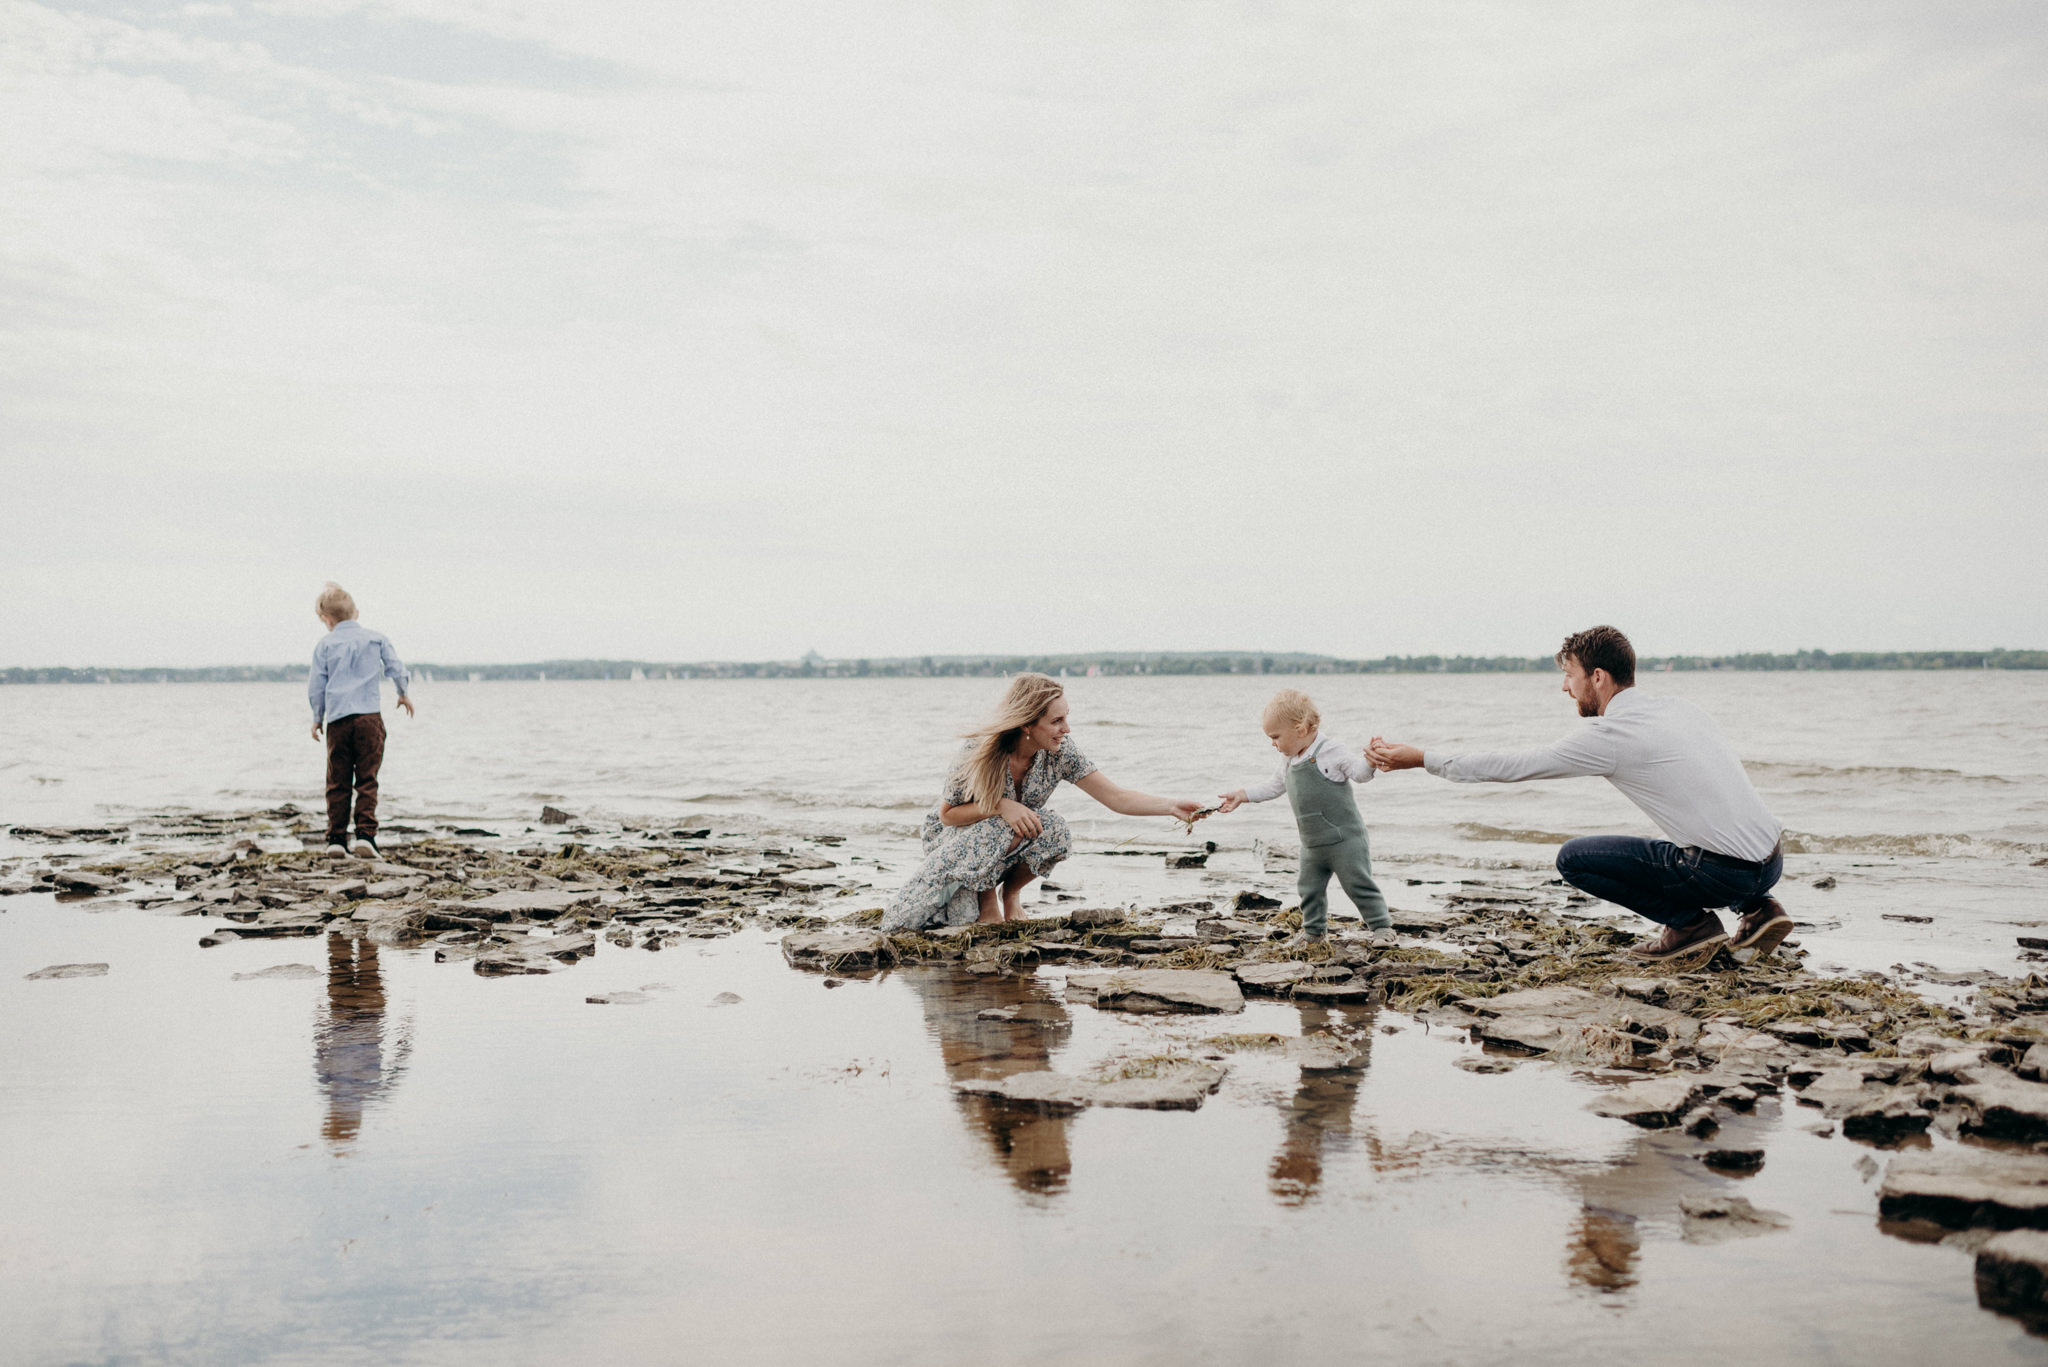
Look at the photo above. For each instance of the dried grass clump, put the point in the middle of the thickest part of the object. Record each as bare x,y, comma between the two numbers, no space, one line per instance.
1231,1044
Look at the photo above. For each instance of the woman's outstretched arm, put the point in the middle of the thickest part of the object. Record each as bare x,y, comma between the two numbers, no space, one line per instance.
1127,802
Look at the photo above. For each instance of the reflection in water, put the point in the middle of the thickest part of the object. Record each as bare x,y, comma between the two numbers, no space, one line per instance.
1319,1114
1030,1147
348,1042
1603,1248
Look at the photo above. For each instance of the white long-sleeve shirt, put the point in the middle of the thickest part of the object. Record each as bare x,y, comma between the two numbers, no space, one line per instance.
1339,763
1665,755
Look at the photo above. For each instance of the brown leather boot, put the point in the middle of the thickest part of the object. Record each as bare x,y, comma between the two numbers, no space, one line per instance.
1682,944
1760,931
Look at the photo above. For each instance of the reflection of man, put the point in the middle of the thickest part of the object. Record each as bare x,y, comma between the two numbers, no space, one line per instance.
1671,760
1318,1117
348,1044
1030,1146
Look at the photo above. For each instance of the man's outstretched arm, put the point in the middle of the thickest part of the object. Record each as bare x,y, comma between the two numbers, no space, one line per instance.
1581,756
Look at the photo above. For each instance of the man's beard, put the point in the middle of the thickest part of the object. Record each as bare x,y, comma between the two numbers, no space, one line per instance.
1589,707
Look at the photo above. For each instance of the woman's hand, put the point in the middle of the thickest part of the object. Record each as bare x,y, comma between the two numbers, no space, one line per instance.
1230,802
1184,810
1022,821
1386,756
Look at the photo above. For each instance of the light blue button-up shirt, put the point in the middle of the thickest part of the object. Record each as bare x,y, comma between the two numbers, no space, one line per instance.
349,664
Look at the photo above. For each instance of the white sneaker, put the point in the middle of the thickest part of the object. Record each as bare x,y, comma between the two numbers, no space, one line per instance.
365,849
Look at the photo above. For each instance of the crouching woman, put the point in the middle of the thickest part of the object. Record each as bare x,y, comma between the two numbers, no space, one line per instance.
990,835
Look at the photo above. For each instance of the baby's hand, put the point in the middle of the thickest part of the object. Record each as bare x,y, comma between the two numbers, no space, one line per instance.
1229,802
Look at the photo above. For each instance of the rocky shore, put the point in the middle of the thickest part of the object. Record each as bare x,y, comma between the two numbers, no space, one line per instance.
1528,969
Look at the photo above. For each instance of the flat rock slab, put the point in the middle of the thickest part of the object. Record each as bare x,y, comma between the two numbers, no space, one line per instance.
1178,1087
620,998
1998,1105
1654,1103
1542,1018
1717,1219
1273,979
1157,990
539,902
281,971
1967,1188
2012,1275
1320,1053
836,951
69,971
1355,992
534,954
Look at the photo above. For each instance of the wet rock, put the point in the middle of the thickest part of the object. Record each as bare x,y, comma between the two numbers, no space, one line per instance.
1423,922
1253,901
1085,918
1967,1188
1541,1019
1821,1034
1157,990
1908,917
281,971
619,998
554,816
1224,928
1272,979
69,971
534,954
1486,1063
837,951
1654,1103
1717,1219
506,906
1174,1087
1825,883
1355,992
392,887
1320,1053
1998,1105
1733,1160
733,998
77,880
1700,1122
2012,1276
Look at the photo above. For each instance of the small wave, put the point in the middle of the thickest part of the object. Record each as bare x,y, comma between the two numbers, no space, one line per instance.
1865,773
788,798
1934,845
1120,725
1477,831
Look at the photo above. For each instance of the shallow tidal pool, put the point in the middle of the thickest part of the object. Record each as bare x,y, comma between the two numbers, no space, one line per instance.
373,1157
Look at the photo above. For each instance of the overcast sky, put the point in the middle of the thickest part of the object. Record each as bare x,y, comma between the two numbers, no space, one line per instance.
698,330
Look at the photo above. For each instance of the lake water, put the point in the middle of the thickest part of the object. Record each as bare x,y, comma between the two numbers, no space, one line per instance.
389,1159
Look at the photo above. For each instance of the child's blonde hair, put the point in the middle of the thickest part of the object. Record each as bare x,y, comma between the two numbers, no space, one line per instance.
334,604
1293,706
986,765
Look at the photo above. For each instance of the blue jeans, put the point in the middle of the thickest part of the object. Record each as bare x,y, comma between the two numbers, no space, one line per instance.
1670,884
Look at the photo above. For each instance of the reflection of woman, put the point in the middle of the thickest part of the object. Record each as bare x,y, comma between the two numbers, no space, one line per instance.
991,833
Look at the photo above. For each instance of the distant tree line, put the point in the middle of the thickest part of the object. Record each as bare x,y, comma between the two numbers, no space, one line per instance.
814,666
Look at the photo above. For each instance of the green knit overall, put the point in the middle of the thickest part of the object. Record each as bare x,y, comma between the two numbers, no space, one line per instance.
1332,841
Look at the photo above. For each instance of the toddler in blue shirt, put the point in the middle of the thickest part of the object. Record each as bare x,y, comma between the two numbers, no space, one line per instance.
344,687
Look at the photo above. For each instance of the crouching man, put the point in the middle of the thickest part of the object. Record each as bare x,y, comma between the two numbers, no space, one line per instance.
1672,760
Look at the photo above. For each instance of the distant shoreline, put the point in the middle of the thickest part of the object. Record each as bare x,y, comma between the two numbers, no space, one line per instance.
1172,663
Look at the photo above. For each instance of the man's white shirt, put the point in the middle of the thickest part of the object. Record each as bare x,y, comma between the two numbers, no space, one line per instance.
1665,755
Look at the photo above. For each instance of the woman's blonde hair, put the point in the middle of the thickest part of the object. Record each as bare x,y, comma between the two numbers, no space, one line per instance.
995,740
1293,705
334,603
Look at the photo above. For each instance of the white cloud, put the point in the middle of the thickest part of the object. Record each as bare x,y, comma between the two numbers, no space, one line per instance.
901,328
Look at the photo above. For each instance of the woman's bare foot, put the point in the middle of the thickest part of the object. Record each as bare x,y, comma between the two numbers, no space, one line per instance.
991,909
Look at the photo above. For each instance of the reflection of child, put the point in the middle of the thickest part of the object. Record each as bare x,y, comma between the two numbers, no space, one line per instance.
1317,778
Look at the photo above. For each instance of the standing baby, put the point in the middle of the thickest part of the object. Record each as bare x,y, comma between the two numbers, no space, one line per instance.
1317,774
345,688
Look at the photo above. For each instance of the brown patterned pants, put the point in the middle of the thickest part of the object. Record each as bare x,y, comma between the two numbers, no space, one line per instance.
355,751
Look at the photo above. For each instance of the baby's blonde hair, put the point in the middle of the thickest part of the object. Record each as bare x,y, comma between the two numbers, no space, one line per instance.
334,604
1294,706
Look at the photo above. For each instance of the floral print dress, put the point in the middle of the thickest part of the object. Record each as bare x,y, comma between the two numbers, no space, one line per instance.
961,861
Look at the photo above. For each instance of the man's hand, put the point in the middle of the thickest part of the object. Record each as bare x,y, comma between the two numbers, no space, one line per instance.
316,730
406,703
1386,756
1230,802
